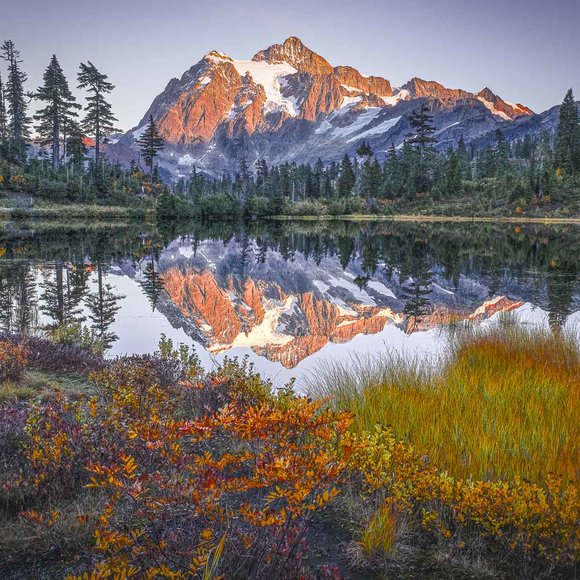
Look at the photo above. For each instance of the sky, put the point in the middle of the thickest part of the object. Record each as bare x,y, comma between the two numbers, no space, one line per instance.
524,50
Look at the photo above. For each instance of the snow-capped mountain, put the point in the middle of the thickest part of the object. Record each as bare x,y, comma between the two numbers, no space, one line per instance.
290,104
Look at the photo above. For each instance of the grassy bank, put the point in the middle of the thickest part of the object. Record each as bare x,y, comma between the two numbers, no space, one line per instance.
147,466
429,218
503,405
75,211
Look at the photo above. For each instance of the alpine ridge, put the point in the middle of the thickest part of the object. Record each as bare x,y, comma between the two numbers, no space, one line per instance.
289,104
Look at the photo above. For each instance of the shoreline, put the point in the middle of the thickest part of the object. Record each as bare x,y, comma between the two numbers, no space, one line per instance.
114,213
429,218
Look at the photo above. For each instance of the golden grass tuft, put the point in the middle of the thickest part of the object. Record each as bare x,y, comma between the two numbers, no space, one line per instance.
503,404
379,538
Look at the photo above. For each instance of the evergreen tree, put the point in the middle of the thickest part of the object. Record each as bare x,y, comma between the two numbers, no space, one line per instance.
318,179
346,179
262,177
392,179
567,148
99,119
452,174
463,159
17,106
422,140
370,179
3,118
364,150
150,143
59,111
75,146
501,154
422,123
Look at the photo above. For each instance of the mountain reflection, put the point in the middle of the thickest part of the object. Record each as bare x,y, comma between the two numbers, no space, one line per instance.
286,289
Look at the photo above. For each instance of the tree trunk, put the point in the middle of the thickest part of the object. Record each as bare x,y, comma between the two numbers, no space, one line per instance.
55,145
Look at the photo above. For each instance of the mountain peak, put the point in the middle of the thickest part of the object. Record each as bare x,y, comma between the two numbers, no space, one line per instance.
487,94
294,52
217,55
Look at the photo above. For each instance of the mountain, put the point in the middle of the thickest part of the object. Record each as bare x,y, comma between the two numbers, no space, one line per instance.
290,104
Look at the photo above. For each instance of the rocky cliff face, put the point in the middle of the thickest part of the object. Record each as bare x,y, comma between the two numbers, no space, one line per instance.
290,104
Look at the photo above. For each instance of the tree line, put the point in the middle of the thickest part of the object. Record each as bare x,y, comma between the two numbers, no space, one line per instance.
415,172
528,169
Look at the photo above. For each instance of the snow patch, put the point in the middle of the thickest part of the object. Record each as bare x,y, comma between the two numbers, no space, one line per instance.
138,132
187,160
489,105
270,76
381,288
264,333
380,128
398,95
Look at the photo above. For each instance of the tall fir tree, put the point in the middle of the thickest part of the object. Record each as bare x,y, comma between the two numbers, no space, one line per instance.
502,153
422,140
452,179
75,147
567,147
99,119
19,122
463,159
346,179
60,110
150,144
3,118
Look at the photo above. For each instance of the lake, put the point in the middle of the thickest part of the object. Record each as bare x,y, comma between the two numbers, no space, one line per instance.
290,296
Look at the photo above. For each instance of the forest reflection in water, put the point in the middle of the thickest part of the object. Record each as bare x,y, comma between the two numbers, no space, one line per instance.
282,291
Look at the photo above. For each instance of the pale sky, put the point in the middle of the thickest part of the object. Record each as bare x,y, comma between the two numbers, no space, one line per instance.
524,50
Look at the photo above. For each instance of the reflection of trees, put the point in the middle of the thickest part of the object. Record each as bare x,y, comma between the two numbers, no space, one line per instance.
415,296
346,247
63,292
18,300
6,297
153,282
26,300
523,262
103,308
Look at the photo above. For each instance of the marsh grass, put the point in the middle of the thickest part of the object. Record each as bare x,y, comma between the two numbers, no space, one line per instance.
503,403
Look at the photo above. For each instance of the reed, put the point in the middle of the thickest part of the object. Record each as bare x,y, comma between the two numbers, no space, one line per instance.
503,404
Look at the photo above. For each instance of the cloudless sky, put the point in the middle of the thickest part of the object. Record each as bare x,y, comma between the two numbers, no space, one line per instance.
524,50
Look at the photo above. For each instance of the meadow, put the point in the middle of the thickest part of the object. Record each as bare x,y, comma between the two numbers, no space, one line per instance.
504,402
150,467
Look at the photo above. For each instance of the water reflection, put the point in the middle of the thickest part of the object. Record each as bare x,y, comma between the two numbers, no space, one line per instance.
282,291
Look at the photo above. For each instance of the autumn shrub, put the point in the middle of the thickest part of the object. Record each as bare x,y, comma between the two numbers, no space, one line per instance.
60,357
530,524
77,335
242,475
13,462
13,360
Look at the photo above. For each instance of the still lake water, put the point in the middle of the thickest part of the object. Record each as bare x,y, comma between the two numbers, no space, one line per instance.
289,295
